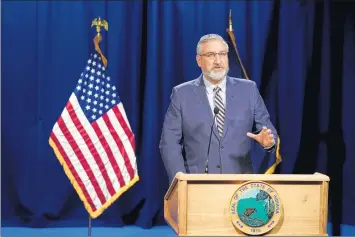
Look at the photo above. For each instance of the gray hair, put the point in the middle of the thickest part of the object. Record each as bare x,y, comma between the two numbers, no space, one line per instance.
209,37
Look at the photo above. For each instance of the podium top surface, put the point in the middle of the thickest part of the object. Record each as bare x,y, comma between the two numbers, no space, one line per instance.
316,177
253,177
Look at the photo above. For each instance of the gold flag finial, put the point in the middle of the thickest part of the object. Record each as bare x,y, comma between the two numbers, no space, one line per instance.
230,20
98,22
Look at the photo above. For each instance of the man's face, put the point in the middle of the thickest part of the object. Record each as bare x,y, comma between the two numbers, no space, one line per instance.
213,60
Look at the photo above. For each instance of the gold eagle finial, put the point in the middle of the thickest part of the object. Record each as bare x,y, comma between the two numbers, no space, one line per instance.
98,22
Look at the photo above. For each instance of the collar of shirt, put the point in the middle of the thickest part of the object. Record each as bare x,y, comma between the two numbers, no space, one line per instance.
210,86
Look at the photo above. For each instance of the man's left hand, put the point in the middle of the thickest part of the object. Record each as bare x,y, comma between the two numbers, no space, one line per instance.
265,137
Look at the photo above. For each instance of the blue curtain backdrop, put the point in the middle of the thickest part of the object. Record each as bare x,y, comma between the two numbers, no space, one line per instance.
300,53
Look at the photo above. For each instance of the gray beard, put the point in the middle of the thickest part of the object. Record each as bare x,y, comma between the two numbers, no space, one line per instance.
216,76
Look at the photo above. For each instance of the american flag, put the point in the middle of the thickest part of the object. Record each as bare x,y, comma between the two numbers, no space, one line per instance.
93,140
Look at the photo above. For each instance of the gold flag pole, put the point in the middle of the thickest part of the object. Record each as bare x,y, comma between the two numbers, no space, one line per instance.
231,35
230,32
99,23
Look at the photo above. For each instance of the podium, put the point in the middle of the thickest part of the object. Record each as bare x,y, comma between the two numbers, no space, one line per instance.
247,204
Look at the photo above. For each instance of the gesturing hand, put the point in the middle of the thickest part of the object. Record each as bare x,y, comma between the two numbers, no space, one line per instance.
265,137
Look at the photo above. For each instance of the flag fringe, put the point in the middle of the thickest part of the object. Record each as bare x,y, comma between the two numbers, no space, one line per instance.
271,170
98,212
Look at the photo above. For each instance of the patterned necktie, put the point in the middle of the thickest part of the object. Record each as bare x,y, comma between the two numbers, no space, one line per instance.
221,114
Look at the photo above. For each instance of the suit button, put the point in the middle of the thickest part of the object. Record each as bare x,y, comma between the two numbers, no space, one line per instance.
218,166
222,147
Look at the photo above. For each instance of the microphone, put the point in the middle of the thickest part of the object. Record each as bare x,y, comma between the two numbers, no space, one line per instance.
215,111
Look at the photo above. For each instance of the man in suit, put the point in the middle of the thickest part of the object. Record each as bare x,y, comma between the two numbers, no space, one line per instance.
235,104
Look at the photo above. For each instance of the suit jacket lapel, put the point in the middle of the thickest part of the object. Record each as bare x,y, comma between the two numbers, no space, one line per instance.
230,96
200,92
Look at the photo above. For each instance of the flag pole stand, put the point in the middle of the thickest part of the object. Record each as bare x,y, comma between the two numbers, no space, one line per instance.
89,226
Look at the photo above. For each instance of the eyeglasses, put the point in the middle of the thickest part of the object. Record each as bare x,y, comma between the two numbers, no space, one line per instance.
212,55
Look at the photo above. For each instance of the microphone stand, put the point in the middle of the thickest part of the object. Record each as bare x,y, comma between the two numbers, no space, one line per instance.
215,111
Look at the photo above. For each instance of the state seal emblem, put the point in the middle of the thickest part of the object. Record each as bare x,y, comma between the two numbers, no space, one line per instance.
255,208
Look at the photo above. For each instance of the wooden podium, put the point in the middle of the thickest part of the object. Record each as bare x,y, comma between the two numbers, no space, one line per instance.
200,204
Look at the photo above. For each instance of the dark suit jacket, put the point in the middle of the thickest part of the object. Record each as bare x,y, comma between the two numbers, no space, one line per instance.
186,130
